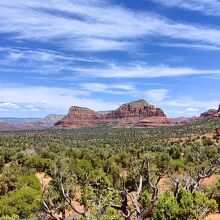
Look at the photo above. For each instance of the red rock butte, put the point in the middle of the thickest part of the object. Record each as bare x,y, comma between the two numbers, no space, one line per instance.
211,114
134,114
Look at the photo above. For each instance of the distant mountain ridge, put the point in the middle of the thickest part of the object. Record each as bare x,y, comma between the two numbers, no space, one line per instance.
29,123
19,121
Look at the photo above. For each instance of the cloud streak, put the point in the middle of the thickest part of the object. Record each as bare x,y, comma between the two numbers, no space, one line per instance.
57,66
204,47
143,71
119,89
207,7
93,25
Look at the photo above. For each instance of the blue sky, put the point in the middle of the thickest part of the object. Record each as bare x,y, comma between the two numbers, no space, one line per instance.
102,53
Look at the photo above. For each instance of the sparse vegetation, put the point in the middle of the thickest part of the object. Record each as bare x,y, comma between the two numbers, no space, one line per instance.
109,173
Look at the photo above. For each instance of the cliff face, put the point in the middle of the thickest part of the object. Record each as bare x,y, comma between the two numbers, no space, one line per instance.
78,117
134,114
138,109
211,114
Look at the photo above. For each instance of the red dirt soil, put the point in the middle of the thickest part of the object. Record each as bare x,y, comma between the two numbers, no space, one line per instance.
213,217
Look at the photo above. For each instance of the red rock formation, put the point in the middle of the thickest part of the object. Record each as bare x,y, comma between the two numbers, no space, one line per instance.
137,109
211,114
138,113
79,117
154,122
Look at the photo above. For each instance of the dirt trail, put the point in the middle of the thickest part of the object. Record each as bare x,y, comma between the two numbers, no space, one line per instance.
44,180
213,217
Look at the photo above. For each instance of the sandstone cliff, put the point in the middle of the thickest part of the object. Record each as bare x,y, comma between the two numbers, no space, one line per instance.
134,114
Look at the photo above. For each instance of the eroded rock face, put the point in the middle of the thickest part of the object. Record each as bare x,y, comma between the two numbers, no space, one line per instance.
138,113
154,122
211,114
138,109
79,117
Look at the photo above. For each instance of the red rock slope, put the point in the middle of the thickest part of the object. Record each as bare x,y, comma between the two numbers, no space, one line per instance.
211,114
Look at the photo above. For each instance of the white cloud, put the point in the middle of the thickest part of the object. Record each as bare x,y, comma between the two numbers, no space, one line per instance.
98,44
34,110
192,46
109,88
141,71
42,64
208,7
186,106
192,110
190,103
42,55
157,95
9,105
50,99
39,62
94,25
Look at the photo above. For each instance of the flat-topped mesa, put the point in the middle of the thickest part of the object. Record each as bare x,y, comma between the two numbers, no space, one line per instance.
79,117
127,115
76,111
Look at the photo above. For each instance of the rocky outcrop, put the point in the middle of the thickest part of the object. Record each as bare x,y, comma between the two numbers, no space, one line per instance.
137,109
79,117
154,122
134,114
211,114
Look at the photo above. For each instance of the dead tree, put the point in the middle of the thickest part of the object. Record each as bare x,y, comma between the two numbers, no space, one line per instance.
191,181
124,208
141,212
53,210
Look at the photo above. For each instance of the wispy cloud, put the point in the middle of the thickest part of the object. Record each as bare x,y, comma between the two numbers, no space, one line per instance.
208,7
187,106
109,88
42,55
9,105
40,61
157,95
98,44
44,64
142,71
192,110
93,25
190,103
205,47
